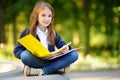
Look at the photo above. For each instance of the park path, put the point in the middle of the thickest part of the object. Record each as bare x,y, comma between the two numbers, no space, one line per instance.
97,75
17,74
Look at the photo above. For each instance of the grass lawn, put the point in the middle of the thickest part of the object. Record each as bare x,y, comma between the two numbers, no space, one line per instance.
88,63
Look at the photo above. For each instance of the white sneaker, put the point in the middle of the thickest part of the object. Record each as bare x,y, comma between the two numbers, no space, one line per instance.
65,70
28,71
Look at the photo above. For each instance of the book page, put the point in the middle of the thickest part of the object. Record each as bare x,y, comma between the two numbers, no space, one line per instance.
59,51
59,55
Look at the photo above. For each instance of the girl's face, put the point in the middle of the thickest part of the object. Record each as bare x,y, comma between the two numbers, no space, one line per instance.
45,17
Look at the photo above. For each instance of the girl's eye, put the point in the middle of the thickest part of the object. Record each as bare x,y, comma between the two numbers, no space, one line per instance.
43,15
49,15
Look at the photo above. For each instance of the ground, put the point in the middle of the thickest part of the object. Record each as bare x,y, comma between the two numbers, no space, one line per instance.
17,74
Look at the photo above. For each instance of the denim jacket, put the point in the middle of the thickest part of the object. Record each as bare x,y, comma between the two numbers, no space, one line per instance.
19,48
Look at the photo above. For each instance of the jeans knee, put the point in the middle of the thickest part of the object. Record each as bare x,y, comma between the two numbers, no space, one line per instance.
74,56
24,56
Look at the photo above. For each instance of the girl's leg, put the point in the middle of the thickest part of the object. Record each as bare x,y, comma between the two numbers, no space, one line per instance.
61,62
31,60
48,66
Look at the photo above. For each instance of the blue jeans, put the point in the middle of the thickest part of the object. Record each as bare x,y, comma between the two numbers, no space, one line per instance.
48,67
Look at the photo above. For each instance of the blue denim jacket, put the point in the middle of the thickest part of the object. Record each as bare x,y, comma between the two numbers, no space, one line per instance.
19,48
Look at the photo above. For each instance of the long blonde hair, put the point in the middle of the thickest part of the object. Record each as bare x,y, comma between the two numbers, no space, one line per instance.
34,21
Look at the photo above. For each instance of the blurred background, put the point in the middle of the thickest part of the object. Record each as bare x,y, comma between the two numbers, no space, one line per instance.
91,24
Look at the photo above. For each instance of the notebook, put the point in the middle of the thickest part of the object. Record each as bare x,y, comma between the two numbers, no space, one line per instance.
36,48
61,54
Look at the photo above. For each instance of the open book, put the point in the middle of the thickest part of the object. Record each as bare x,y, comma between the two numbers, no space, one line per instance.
37,49
61,54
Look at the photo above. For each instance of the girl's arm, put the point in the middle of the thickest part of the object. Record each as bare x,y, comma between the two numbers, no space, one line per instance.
19,48
60,43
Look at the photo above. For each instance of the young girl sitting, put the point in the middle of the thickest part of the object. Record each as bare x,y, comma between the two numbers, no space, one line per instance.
41,27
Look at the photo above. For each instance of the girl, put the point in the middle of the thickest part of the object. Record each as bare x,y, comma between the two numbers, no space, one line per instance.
41,26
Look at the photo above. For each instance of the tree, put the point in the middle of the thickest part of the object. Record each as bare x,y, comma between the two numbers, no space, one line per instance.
2,30
86,10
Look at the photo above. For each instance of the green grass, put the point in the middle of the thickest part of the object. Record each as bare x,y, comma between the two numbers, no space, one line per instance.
93,63
88,63
7,55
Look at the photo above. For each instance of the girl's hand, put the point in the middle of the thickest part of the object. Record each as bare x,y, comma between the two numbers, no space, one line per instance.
66,49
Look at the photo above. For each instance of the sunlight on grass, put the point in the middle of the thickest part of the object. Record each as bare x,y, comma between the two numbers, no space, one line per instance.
92,63
88,63
6,53
6,67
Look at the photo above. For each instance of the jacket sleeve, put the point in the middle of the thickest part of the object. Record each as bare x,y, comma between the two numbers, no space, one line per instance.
19,48
59,42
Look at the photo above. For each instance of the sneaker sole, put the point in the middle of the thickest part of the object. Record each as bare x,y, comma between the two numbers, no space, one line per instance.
26,70
67,69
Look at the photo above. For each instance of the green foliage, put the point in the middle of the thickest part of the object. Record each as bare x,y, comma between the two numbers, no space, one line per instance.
6,55
101,21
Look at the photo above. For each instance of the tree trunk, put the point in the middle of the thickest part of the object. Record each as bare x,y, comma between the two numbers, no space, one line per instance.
87,25
14,29
2,31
